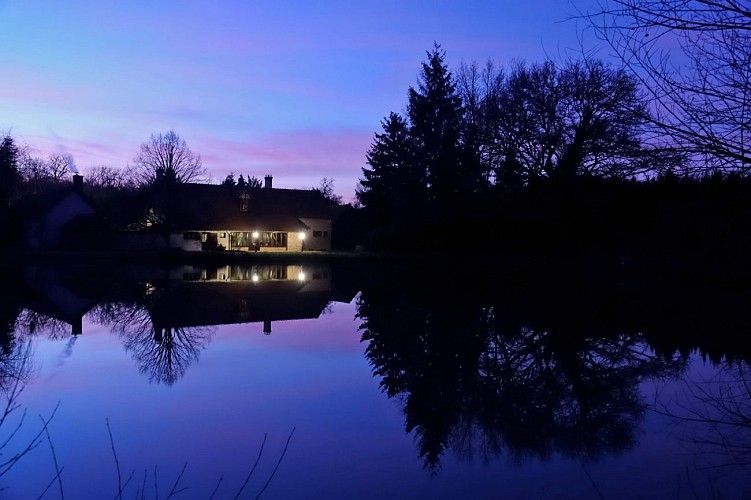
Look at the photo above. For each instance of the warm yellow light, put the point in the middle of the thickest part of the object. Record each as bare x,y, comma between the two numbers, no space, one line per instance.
255,235
301,235
301,276
255,278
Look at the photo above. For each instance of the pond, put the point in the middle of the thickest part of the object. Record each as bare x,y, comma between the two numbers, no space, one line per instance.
443,379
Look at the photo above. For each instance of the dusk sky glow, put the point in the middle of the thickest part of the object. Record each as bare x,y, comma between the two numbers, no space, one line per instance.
291,89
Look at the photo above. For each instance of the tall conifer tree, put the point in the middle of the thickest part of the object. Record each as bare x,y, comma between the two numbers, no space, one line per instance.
434,111
9,175
394,181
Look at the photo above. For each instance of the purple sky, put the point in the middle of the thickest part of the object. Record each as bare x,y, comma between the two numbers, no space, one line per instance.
291,89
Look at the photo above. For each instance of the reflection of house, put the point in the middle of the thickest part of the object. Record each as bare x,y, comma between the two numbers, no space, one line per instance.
242,294
64,294
208,217
61,218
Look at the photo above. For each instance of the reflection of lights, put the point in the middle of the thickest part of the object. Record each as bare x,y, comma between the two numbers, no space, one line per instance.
301,276
150,289
255,235
254,278
301,235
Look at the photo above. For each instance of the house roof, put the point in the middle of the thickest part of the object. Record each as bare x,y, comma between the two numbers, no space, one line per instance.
218,207
36,205
190,304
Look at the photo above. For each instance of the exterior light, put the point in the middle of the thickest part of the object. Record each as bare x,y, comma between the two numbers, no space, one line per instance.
254,278
255,235
301,276
301,235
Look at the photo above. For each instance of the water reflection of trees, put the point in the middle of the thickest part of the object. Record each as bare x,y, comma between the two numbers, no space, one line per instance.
162,352
34,323
16,356
715,413
478,380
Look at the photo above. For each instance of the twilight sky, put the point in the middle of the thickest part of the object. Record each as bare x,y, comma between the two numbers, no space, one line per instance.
291,89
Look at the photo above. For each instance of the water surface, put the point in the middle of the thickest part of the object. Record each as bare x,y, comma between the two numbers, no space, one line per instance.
359,382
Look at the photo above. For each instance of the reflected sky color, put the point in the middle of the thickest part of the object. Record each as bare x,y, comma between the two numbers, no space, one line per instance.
292,89
311,375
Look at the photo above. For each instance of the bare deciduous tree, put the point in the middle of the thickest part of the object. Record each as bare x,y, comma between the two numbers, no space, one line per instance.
544,120
694,58
326,188
34,169
108,177
60,166
169,155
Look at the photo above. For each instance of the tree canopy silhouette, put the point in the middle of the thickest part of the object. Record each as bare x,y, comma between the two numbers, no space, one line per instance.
694,59
9,170
167,156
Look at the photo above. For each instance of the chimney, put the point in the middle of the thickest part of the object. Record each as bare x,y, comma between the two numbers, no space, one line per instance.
267,181
267,327
76,328
78,183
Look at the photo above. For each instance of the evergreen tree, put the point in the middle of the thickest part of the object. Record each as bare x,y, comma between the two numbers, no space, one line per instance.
9,175
253,182
394,181
435,114
229,181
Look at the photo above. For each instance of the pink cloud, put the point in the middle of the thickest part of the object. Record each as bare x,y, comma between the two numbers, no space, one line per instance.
296,159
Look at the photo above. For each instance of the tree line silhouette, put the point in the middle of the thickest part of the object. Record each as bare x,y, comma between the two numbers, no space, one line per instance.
543,157
138,197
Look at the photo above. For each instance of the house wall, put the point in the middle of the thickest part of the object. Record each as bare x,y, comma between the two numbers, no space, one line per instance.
177,240
223,242
317,226
47,231
294,243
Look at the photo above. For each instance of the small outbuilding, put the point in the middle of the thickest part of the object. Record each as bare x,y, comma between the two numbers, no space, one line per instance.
61,218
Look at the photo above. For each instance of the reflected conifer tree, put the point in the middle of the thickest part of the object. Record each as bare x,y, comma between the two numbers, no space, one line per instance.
15,368
163,353
9,313
481,382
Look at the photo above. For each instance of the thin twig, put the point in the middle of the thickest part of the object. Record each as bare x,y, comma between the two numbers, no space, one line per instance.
54,457
277,464
33,443
49,485
217,487
177,481
143,488
592,481
117,462
127,481
260,452
156,486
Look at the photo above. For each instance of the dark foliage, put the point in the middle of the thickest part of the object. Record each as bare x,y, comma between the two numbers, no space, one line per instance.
10,177
544,158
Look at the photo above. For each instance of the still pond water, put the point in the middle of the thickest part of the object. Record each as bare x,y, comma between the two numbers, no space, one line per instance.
445,380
